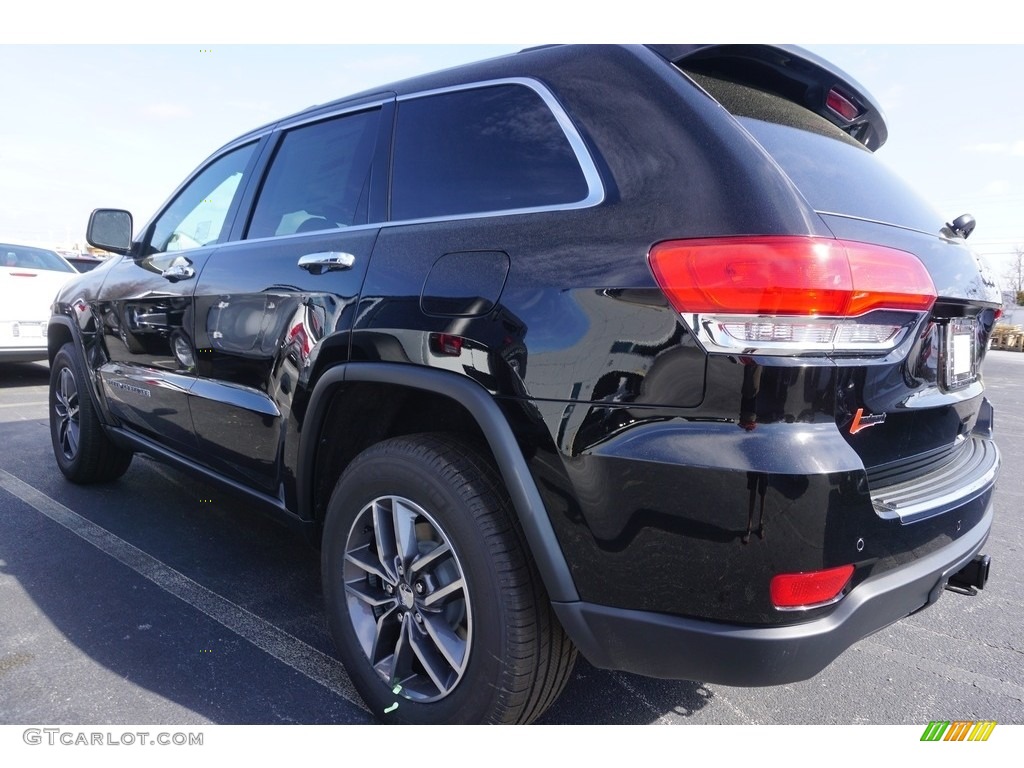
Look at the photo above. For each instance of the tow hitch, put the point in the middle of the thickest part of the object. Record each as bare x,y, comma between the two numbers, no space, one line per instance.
972,577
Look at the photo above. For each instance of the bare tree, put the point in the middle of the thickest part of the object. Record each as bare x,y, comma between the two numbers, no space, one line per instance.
1014,275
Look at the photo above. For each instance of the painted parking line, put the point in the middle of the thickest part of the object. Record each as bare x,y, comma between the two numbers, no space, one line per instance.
303,658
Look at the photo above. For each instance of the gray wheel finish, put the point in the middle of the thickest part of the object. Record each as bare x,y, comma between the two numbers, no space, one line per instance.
407,599
428,512
83,451
66,411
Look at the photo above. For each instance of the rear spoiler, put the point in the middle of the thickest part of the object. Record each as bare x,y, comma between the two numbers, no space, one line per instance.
794,74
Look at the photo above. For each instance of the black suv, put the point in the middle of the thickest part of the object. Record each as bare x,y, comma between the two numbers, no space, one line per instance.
632,350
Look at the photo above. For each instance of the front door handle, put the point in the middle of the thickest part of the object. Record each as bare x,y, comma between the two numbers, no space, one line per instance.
326,261
180,269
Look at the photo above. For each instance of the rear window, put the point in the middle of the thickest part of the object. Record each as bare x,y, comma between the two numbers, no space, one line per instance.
833,171
25,257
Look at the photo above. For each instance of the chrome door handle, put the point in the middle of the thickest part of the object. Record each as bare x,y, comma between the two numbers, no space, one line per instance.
178,271
326,261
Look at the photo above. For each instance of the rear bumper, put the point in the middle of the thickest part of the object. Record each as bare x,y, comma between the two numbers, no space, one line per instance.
15,347
663,646
24,354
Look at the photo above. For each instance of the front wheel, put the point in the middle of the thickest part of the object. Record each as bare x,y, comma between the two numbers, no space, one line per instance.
435,606
82,449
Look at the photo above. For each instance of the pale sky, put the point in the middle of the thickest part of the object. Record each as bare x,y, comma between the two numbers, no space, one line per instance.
116,125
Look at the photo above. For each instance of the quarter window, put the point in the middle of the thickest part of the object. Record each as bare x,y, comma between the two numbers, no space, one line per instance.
198,213
494,148
319,177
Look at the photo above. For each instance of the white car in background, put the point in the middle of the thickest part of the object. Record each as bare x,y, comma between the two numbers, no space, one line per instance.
29,281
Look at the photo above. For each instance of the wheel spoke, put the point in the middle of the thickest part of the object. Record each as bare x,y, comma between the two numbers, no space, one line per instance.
438,668
69,438
364,559
388,631
404,526
397,666
69,391
442,595
425,561
372,597
448,644
383,532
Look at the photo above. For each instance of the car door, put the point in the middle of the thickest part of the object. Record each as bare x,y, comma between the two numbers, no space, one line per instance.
281,296
145,304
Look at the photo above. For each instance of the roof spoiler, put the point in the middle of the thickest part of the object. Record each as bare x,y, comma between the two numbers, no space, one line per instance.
794,74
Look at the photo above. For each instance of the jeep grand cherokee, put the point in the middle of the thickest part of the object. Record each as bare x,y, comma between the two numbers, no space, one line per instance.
630,351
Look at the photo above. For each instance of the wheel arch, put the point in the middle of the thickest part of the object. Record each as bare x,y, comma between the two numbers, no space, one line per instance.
485,417
58,333
62,330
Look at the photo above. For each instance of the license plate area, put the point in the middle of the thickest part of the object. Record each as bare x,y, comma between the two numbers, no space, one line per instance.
28,330
960,350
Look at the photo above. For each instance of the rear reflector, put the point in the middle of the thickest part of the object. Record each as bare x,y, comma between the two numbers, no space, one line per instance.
798,591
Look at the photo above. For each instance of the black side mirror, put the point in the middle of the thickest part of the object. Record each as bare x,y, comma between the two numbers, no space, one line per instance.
110,229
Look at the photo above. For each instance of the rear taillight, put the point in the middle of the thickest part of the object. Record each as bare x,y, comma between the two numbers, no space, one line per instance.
813,589
780,295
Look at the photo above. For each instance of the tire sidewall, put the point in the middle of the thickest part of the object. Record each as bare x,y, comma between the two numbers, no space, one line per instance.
372,477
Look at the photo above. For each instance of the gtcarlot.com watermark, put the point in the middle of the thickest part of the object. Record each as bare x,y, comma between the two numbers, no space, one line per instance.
72,738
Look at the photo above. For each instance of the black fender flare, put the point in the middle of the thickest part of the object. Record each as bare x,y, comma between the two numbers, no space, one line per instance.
522,489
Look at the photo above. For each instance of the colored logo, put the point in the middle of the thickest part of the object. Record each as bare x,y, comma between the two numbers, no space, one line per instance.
860,421
958,730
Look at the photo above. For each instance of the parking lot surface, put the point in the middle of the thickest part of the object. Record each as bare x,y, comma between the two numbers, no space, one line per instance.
162,600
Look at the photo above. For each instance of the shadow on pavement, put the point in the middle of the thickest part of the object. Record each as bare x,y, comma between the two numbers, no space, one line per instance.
24,375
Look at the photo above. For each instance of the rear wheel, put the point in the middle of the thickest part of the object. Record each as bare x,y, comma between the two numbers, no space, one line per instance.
435,606
83,451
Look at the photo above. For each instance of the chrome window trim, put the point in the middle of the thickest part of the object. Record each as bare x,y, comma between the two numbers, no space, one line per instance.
297,122
595,189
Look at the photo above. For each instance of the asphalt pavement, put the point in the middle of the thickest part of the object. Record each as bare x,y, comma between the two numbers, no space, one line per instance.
162,600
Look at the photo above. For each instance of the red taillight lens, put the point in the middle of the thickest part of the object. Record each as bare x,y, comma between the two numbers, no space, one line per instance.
803,276
841,105
807,590
446,344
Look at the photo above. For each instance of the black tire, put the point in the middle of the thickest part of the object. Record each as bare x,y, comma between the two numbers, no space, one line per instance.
83,451
477,641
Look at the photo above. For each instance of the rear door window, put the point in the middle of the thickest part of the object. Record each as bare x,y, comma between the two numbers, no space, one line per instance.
478,150
319,178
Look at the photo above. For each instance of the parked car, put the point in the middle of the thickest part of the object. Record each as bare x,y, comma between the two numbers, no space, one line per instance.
84,262
29,279
633,351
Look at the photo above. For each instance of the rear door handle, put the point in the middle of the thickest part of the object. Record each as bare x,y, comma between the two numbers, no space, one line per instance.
326,261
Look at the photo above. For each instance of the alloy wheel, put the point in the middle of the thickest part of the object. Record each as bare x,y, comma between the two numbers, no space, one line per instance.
407,599
66,409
